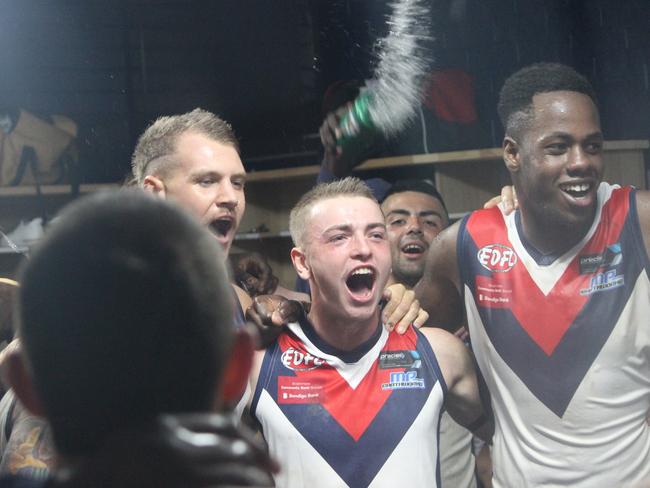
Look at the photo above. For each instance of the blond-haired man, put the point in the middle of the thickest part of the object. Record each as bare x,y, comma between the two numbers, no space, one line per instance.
341,400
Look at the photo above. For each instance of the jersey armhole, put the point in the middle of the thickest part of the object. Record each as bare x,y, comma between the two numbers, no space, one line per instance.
430,358
262,379
638,235
460,258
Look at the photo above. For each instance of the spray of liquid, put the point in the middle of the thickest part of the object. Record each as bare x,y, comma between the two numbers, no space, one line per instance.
392,97
396,90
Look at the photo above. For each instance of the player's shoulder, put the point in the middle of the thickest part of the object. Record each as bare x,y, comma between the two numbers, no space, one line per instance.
244,298
439,337
483,217
445,241
449,350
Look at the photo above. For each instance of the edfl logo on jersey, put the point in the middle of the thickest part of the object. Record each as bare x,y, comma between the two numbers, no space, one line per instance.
297,360
497,258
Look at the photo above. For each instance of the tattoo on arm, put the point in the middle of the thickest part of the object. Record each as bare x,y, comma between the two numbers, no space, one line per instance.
30,449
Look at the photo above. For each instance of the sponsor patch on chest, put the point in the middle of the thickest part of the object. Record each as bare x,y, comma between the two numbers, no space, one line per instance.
611,256
603,282
399,359
493,294
403,380
292,390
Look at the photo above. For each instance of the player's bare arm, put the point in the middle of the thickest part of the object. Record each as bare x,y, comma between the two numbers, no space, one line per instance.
30,449
643,207
439,289
463,400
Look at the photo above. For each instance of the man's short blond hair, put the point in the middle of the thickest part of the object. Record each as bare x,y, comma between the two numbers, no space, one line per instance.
157,144
299,216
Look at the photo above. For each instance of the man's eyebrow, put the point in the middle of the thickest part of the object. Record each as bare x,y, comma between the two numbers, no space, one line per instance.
343,227
348,228
399,211
426,213
423,213
566,135
374,225
595,135
202,173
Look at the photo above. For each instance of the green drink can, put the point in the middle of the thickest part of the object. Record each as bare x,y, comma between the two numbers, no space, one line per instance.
357,128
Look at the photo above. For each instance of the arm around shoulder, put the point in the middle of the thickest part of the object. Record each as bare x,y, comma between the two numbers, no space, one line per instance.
439,289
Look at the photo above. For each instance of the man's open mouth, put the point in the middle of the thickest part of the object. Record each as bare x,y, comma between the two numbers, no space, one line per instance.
576,190
361,281
221,227
413,249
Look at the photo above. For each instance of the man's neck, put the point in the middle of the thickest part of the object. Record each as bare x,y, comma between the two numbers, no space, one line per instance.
409,283
345,334
551,237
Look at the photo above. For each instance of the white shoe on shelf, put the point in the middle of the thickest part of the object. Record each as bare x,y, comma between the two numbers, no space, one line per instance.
25,234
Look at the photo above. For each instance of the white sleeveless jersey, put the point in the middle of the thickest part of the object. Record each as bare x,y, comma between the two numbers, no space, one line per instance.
369,417
457,462
564,348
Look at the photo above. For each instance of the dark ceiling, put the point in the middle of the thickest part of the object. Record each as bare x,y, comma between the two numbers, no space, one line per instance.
114,65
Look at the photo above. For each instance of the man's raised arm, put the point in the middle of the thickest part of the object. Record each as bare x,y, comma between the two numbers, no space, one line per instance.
643,208
439,289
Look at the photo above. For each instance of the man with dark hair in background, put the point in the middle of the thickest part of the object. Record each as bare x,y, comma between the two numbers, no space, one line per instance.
556,295
415,214
122,320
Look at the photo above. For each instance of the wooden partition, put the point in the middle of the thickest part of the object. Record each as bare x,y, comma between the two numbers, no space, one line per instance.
466,180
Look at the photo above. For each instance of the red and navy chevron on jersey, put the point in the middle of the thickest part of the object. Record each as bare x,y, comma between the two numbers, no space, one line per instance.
354,419
564,347
555,331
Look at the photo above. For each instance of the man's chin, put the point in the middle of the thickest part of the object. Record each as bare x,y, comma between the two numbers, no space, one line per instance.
408,275
225,242
362,310
361,314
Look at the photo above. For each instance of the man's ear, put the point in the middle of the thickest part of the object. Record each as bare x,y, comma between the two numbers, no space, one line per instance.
299,260
237,368
511,154
19,378
154,185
